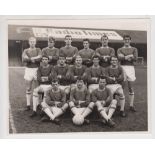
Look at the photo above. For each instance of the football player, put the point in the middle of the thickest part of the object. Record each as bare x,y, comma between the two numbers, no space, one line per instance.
93,73
86,53
61,70
51,51
80,100
69,51
105,103
32,57
127,55
45,74
105,52
54,104
77,70
115,78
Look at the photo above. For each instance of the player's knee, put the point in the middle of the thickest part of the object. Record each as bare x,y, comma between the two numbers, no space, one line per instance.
99,107
98,104
67,91
71,104
44,105
121,96
91,105
120,92
113,104
64,107
35,93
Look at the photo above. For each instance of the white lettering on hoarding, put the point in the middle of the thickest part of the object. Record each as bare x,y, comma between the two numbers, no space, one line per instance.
75,33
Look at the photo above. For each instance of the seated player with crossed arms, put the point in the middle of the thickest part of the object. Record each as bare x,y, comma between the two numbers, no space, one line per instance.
80,103
54,104
104,101
44,75
93,73
86,53
115,78
61,70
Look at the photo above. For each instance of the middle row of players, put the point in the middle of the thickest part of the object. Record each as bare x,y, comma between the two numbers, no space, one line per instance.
80,88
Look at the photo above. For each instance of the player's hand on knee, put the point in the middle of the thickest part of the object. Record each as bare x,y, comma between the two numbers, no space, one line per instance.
98,103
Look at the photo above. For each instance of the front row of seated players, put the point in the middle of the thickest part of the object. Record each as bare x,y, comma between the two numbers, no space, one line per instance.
81,103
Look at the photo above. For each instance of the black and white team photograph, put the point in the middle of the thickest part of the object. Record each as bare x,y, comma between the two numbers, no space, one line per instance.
72,75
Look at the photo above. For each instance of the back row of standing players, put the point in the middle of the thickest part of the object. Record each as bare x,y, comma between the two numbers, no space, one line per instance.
79,79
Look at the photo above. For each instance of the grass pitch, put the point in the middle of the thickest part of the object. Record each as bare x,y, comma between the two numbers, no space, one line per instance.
20,122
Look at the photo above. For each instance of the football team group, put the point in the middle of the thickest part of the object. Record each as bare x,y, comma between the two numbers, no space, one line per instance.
79,79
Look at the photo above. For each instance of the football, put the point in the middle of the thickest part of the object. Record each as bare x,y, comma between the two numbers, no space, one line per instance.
78,120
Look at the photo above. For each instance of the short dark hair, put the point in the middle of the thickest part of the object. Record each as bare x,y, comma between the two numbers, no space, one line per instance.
79,78
103,77
126,36
104,36
86,39
95,56
55,80
113,57
51,39
45,56
68,36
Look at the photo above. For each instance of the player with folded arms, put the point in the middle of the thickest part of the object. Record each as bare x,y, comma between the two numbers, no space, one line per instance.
86,53
127,55
32,57
68,50
51,51
61,70
45,74
76,70
93,73
105,52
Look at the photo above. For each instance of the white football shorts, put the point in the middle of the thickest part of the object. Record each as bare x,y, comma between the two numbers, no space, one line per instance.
43,88
30,74
129,73
113,87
